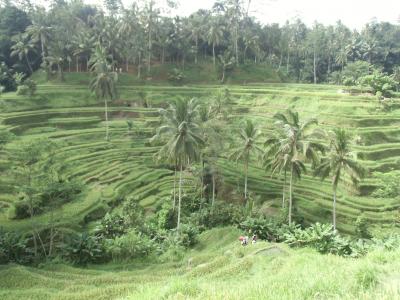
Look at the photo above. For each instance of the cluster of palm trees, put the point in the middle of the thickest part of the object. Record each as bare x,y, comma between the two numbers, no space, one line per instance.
69,32
291,148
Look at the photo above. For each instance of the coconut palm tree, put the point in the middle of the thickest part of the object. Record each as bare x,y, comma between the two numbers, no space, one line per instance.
40,33
339,160
182,136
295,146
21,48
212,133
214,36
276,161
248,137
104,83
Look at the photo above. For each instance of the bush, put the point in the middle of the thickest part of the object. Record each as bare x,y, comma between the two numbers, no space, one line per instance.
23,90
111,226
355,70
222,214
166,217
6,78
133,213
130,245
388,185
361,230
187,235
379,82
321,237
176,76
14,248
83,249
264,228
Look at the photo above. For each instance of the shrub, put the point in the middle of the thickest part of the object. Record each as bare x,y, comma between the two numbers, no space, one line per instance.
166,217
176,76
379,82
6,78
59,192
22,90
31,86
23,209
361,229
83,249
133,213
321,237
355,70
222,214
14,248
187,235
388,185
130,245
111,226
262,227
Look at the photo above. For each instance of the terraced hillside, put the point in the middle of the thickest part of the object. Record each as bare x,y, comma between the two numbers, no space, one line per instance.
125,167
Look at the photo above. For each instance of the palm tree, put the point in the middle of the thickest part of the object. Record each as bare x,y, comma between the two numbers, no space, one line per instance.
104,84
214,36
340,160
21,48
341,58
295,146
195,30
212,133
227,61
276,161
182,136
57,55
40,33
248,145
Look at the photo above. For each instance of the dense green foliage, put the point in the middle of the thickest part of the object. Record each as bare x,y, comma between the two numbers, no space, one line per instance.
140,36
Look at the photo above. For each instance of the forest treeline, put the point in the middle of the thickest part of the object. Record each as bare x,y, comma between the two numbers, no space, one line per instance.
64,36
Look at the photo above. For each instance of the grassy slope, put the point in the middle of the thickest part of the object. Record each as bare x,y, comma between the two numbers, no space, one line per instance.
69,114
218,268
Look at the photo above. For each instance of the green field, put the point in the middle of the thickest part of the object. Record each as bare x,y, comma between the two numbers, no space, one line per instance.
124,167
217,268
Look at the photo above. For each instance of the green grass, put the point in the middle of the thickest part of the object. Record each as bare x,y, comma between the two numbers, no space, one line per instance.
217,268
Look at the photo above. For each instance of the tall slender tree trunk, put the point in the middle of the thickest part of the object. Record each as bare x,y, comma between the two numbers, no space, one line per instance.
87,64
214,54
174,204
106,115
213,189
280,62
127,65
236,46
284,190
202,178
334,207
290,195
28,63
246,167
149,54
77,64
179,199
315,67
197,50
139,65
287,61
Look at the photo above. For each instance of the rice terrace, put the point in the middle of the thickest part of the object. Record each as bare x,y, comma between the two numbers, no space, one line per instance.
153,150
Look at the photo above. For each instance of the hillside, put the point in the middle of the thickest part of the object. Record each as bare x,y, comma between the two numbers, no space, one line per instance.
217,268
125,167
